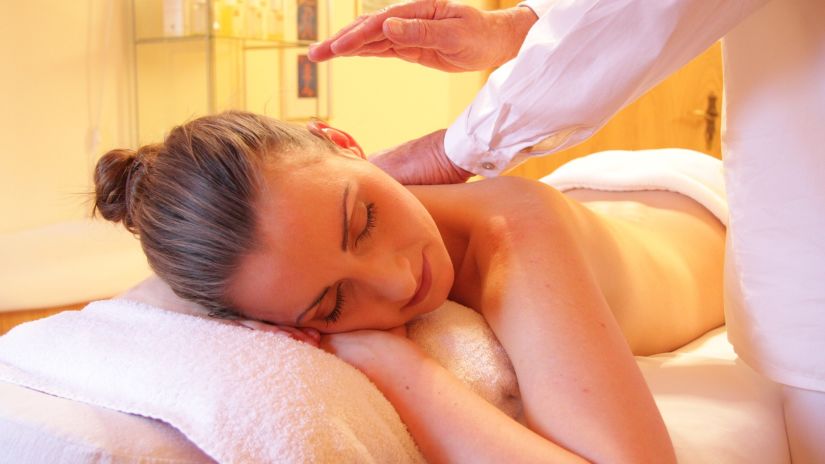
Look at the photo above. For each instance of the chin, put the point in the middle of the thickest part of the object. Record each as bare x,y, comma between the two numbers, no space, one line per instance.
434,306
443,279
439,294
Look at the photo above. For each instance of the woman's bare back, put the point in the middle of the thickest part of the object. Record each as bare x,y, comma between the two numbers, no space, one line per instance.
658,257
525,256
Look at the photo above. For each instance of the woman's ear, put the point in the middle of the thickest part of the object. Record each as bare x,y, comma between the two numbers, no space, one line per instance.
336,136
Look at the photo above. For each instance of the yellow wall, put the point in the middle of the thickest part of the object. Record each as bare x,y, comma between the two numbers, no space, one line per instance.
384,102
61,78
54,88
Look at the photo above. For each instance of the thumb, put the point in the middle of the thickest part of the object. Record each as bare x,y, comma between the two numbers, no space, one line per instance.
416,32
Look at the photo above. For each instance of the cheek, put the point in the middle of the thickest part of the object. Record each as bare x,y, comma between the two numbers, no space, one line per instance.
371,311
413,217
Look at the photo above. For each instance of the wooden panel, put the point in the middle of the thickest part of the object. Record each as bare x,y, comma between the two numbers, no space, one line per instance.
669,115
13,318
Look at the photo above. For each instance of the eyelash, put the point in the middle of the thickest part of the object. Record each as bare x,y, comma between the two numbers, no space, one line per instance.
336,311
371,214
335,314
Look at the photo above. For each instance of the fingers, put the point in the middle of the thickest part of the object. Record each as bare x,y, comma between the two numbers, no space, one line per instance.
322,51
313,334
306,335
438,34
374,48
256,325
367,29
352,41
411,54
401,331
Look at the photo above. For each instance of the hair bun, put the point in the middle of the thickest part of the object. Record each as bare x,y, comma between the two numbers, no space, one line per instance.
115,178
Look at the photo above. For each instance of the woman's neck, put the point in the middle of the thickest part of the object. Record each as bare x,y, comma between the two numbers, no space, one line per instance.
457,215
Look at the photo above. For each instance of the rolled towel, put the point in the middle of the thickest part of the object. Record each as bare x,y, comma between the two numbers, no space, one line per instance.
459,339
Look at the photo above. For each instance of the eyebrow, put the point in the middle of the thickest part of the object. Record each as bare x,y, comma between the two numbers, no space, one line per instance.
345,222
344,241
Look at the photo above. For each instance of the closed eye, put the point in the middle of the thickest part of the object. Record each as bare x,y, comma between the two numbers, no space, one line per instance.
372,213
333,316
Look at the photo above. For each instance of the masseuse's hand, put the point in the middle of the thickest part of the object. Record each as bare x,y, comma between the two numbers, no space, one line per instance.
436,33
420,161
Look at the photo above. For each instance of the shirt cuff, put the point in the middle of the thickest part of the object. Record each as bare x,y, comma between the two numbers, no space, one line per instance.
473,154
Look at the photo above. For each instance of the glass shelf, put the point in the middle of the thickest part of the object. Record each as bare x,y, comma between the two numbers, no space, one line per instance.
198,57
242,19
249,42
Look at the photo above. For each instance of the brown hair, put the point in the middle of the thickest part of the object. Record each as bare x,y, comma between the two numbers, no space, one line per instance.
190,199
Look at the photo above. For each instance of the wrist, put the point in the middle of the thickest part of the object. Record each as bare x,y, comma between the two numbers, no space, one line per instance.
391,367
456,173
378,354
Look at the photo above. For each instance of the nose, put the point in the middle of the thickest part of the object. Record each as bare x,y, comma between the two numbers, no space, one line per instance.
390,276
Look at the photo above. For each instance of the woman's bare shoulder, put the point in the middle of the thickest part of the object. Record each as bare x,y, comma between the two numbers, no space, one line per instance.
492,223
504,195
506,214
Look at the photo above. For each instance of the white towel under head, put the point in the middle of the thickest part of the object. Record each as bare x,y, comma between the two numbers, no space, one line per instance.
243,395
239,395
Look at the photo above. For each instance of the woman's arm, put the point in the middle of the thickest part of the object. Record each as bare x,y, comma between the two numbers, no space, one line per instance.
448,421
580,385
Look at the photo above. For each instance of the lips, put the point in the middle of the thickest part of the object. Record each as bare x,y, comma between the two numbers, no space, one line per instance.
423,285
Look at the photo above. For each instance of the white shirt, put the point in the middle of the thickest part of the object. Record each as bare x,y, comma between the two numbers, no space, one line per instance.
584,60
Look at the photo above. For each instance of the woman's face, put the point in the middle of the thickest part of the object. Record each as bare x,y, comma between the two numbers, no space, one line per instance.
344,247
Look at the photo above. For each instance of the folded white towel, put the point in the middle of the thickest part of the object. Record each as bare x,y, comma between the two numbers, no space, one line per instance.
243,395
691,173
239,395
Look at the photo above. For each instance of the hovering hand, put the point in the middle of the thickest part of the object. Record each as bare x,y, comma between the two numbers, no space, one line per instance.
435,33
420,162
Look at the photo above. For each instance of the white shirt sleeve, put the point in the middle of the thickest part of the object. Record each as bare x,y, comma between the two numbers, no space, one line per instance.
581,62
539,7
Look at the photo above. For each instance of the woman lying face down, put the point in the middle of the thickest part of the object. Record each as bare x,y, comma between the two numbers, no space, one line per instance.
341,246
260,220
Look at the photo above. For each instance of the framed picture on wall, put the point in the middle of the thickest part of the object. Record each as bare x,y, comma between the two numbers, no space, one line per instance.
307,78
307,20
303,85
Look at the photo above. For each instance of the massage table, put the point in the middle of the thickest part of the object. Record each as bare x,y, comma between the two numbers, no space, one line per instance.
715,407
